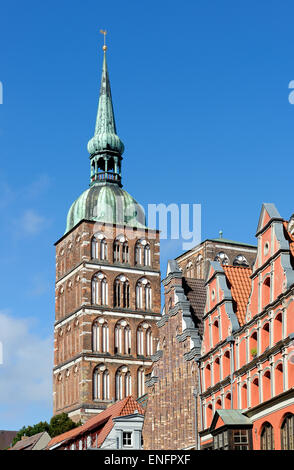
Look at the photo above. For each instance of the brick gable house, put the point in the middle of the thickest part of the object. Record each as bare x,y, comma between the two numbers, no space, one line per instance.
172,419
246,364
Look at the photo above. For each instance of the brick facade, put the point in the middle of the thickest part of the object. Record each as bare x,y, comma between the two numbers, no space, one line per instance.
247,360
75,357
172,419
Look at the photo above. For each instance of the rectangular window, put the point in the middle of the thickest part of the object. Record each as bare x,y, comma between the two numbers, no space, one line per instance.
127,439
240,439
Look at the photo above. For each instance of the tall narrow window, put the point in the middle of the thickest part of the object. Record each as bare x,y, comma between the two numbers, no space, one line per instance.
267,437
100,336
122,338
95,248
121,292
141,381
140,341
128,384
279,382
101,383
118,386
266,290
147,257
125,252
138,252
116,251
149,342
287,433
103,249
143,294
99,289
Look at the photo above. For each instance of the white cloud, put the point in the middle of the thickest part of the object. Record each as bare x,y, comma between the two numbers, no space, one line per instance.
26,371
31,223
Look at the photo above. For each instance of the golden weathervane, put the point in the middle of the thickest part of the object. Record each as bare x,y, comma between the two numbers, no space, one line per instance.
104,33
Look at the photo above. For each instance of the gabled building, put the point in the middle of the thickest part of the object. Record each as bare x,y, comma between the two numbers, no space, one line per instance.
36,442
247,357
117,427
107,284
172,419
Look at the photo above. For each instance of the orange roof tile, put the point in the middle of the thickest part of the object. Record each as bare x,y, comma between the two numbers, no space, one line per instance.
240,284
124,407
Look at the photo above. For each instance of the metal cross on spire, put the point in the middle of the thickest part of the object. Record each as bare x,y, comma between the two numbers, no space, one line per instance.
104,32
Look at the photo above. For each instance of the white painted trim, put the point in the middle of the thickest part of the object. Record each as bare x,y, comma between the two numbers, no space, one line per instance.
121,270
117,361
88,311
272,409
66,366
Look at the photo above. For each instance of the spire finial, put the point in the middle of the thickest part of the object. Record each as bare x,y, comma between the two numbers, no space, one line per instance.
220,234
104,32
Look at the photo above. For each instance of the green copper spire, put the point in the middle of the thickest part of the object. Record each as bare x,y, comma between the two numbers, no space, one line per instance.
105,147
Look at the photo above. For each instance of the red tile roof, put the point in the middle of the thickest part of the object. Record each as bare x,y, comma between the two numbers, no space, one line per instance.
102,420
240,284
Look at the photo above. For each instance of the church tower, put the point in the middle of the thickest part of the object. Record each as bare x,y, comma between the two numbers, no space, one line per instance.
107,284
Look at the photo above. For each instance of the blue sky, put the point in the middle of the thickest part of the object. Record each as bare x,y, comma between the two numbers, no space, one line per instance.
200,91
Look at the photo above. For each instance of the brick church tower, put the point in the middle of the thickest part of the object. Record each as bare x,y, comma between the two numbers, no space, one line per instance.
107,284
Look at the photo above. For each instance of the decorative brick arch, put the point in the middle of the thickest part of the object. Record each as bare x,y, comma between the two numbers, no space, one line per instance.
266,384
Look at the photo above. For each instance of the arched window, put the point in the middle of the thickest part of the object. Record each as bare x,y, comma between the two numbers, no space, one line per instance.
279,382
226,364
240,260
140,341
266,385
143,294
218,404
128,384
244,401
141,381
253,345
199,267
254,392
228,401
123,383
125,252
266,291
216,370
101,383
215,333
95,248
103,249
100,336
189,269
147,255
142,253
265,337
122,338
287,432
119,388
149,342
116,251
278,327
222,258
267,437
99,289
208,415
207,374
121,292
99,247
